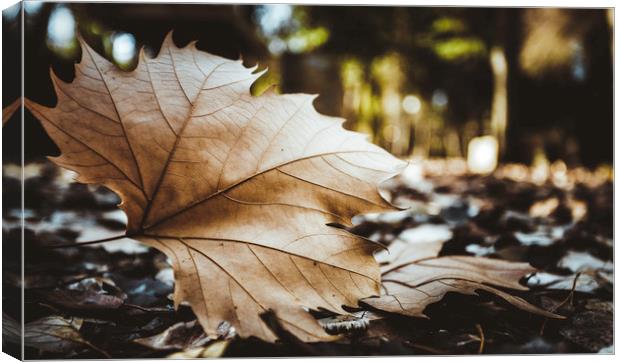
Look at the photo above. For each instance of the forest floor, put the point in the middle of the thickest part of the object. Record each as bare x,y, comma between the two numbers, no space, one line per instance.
114,299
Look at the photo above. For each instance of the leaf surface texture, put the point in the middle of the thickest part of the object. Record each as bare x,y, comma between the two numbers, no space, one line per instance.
237,190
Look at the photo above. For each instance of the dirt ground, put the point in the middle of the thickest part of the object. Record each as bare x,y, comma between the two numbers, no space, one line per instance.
114,299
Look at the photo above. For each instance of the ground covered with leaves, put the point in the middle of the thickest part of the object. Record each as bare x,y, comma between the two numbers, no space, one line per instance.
114,299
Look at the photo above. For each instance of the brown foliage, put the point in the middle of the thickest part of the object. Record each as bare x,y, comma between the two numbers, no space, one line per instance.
237,190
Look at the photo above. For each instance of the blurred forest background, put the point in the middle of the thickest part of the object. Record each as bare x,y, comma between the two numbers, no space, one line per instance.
523,96
421,81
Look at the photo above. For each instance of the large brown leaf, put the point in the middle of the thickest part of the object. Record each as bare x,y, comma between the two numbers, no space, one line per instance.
237,190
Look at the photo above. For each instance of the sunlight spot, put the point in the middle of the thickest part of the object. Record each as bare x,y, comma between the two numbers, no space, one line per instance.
272,18
440,98
412,104
123,48
61,28
482,154
277,46
32,7
297,44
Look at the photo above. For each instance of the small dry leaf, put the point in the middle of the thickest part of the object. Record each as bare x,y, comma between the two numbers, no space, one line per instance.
213,350
236,190
87,294
415,277
183,335
410,287
57,334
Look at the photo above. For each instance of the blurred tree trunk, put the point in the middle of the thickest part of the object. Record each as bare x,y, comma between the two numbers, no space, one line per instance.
595,108
499,107
509,35
313,73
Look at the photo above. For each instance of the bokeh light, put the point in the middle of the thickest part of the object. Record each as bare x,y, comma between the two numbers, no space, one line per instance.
412,104
61,28
277,46
272,18
32,7
123,48
440,98
482,154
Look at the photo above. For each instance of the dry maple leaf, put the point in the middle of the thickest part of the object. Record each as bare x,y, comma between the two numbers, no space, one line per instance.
237,190
182,336
416,278
57,334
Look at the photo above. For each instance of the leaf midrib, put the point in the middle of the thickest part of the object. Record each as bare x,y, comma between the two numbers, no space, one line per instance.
246,179
177,138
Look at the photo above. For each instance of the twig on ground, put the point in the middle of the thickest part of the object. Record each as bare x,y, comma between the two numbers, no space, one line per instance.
569,297
481,334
